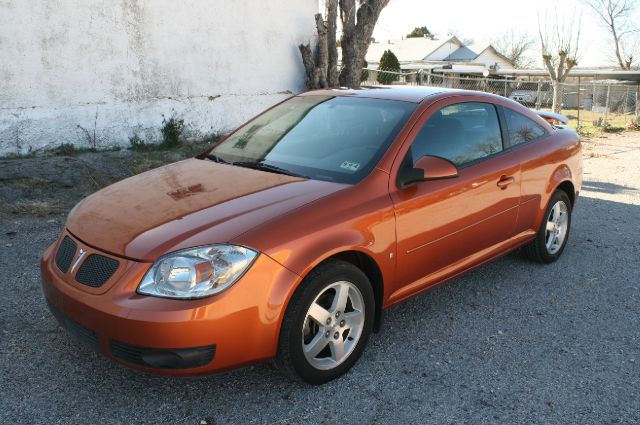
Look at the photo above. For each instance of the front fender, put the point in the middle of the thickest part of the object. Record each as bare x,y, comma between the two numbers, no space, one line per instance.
359,219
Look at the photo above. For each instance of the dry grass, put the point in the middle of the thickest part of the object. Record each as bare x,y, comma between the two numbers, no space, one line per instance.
28,183
590,153
33,208
589,120
140,165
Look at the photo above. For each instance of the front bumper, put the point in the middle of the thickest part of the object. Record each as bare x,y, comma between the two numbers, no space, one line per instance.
177,337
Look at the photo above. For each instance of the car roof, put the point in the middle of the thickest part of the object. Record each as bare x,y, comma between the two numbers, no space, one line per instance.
415,94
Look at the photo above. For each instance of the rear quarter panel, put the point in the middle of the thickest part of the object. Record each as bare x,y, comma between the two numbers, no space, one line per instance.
546,164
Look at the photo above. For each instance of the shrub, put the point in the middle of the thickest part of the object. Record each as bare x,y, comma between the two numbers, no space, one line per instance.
65,149
210,139
364,76
137,144
611,129
171,132
388,62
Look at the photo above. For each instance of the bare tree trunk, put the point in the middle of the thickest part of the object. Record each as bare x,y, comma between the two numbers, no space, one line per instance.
558,95
332,47
559,67
316,67
357,29
358,23
558,75
310,71
322,62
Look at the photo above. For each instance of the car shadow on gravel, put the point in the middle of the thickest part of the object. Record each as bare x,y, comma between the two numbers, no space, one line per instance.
604,187
510,342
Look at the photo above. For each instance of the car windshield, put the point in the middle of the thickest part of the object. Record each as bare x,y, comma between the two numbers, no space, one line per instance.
331,138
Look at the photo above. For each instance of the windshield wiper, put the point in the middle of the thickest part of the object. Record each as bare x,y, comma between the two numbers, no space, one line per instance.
263,166
215,158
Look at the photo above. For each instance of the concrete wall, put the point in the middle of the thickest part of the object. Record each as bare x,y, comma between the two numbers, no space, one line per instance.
70,69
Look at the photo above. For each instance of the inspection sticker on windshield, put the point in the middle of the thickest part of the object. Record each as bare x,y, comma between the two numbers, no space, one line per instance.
350,165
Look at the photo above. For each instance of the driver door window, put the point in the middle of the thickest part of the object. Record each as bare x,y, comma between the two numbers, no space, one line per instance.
462,133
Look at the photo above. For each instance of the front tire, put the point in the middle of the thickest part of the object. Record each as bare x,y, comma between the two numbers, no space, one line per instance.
327,323
553,233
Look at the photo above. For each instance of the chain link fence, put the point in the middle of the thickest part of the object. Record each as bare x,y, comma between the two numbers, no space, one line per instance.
591,105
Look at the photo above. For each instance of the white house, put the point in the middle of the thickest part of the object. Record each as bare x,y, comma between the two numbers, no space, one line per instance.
414,49
448,51
97,72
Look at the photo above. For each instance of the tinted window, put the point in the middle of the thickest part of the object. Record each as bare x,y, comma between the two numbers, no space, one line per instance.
521,128
461,133
323,137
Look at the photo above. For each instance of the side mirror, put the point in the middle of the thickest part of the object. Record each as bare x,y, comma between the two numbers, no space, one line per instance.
425,169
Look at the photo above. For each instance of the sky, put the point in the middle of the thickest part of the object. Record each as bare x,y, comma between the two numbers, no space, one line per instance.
484,20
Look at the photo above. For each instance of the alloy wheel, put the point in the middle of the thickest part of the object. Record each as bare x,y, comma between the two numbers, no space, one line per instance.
557,226
333,325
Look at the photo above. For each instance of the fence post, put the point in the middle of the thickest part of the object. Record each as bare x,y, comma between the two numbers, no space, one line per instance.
624,105
638,104
606,106
579,91
538,99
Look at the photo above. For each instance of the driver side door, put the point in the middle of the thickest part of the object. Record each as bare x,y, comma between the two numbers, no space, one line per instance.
443,225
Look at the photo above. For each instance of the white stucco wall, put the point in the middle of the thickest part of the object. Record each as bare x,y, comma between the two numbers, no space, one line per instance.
69,68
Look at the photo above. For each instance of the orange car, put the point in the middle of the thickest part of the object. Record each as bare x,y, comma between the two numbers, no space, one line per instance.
289,238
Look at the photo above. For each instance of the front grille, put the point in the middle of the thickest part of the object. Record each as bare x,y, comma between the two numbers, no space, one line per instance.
65,254
82,333
96,270
163,358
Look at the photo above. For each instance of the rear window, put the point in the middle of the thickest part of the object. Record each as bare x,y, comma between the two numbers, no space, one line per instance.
522,129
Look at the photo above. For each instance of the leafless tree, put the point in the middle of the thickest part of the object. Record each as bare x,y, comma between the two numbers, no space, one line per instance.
560,41
358,19
451,32
617,17
515,46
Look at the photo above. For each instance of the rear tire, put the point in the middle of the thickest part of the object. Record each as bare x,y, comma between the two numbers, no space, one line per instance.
553,233
327,323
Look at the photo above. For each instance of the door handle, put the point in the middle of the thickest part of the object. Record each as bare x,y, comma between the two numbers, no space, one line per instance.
505,181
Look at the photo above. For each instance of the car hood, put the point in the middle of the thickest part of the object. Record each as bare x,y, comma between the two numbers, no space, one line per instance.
185,204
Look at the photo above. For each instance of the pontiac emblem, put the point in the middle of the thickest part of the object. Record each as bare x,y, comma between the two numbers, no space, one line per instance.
81,254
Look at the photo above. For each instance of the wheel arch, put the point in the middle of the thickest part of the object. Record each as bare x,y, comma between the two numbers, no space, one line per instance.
568,187
562,178
370,268
364,262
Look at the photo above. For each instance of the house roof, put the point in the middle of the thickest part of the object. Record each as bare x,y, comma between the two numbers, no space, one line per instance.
464,53
472,52
420,49
480,50
408,49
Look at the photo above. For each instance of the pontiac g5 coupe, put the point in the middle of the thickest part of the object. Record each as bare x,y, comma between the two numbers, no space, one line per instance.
288,239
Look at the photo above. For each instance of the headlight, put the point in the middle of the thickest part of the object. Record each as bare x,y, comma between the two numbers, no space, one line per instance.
197,272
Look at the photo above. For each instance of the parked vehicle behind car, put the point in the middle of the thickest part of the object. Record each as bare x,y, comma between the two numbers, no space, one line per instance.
533,95
287,240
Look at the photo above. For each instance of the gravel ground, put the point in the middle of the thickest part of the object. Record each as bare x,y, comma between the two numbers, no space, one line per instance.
511,342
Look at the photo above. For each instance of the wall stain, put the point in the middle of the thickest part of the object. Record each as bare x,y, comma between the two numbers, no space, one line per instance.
134,26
